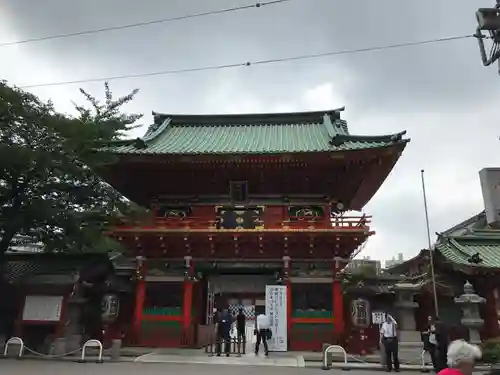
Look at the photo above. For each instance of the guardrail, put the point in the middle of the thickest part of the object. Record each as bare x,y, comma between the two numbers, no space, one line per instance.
92,344
326,365
22,348
226,347
340,222
14,340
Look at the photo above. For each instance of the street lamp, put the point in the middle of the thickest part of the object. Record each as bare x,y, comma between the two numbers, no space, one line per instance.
488,20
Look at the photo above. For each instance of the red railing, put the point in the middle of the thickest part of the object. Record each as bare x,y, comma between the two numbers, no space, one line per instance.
339,223
343,222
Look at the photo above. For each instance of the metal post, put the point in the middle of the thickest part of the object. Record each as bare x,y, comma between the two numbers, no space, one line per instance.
431,251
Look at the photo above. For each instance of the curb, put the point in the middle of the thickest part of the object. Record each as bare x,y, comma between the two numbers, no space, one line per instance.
378,367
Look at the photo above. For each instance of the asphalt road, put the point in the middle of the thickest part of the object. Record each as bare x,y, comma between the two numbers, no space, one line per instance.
28,367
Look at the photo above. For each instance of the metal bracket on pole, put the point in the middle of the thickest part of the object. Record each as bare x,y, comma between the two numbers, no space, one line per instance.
488,20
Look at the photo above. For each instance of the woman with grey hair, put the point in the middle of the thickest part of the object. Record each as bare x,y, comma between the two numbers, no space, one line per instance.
462,357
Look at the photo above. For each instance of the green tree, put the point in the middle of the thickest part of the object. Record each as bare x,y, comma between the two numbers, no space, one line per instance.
48,188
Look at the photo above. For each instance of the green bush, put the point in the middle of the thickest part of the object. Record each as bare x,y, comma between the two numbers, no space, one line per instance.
491,350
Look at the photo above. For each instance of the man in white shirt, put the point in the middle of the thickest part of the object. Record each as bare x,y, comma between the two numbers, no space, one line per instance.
262,331
389,338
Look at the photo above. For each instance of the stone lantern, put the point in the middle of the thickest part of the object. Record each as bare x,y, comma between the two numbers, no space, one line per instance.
469,301
406,306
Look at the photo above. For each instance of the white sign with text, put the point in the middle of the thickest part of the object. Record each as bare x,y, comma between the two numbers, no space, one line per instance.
378,317
276,312
42,308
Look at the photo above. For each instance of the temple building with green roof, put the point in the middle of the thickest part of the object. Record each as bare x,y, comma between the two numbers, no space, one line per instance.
241,203
469,252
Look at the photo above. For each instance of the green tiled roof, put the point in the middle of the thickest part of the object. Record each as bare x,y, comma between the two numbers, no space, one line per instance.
478,248
250,134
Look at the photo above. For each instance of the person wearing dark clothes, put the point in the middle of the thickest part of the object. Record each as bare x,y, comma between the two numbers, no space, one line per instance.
430,342
389,339
241,327
224,322
442,342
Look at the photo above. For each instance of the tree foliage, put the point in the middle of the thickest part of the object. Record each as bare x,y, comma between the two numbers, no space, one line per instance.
48,190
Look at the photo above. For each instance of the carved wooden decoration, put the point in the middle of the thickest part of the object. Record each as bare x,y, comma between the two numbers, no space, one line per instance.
297,213
239,218
169,212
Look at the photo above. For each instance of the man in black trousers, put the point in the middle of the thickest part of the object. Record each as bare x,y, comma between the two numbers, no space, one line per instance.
389,339
241,322
224,322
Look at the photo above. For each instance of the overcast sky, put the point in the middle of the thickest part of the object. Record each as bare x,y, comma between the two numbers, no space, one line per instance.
441,94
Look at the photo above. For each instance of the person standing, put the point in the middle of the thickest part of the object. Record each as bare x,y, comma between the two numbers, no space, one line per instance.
389,339
262,331
224,322
442,342
430,342
241,322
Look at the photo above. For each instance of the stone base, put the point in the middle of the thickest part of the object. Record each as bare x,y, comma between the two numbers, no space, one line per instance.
116,346
73,342
409,337
3,339
474,336
59,346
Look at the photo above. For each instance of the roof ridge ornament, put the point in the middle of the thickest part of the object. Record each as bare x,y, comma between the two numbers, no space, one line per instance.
327,122
140,144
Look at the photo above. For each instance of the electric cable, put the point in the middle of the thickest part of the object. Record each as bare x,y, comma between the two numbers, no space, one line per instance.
248,63
141,24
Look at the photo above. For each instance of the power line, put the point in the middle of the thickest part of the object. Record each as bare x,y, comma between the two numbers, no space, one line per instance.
250,63
141,24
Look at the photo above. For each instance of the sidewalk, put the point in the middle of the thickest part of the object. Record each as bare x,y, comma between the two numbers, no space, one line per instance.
274,359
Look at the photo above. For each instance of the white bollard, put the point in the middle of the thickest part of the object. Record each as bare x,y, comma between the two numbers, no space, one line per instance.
15,340
92,344
326,365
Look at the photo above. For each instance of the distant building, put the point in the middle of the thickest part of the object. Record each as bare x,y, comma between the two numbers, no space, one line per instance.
365,262
394,261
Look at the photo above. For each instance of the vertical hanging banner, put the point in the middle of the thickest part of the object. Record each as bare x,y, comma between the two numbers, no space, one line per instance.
276,312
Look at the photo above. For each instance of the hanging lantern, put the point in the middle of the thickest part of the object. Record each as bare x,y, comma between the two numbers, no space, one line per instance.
110,307
360,313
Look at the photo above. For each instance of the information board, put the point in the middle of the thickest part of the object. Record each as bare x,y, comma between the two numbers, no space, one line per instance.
42,308
276,312
378,317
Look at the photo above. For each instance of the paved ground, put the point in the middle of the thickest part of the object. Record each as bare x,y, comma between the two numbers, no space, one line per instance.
245,360
28,367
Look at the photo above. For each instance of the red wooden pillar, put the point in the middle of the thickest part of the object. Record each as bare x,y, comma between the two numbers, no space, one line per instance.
490,314
140,295
288,283
186,307
338,302
188,299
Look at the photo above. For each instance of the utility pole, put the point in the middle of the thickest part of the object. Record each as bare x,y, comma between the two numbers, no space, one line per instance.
431,250
488,20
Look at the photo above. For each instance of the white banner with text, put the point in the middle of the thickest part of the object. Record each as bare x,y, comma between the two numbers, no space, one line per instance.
276,312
